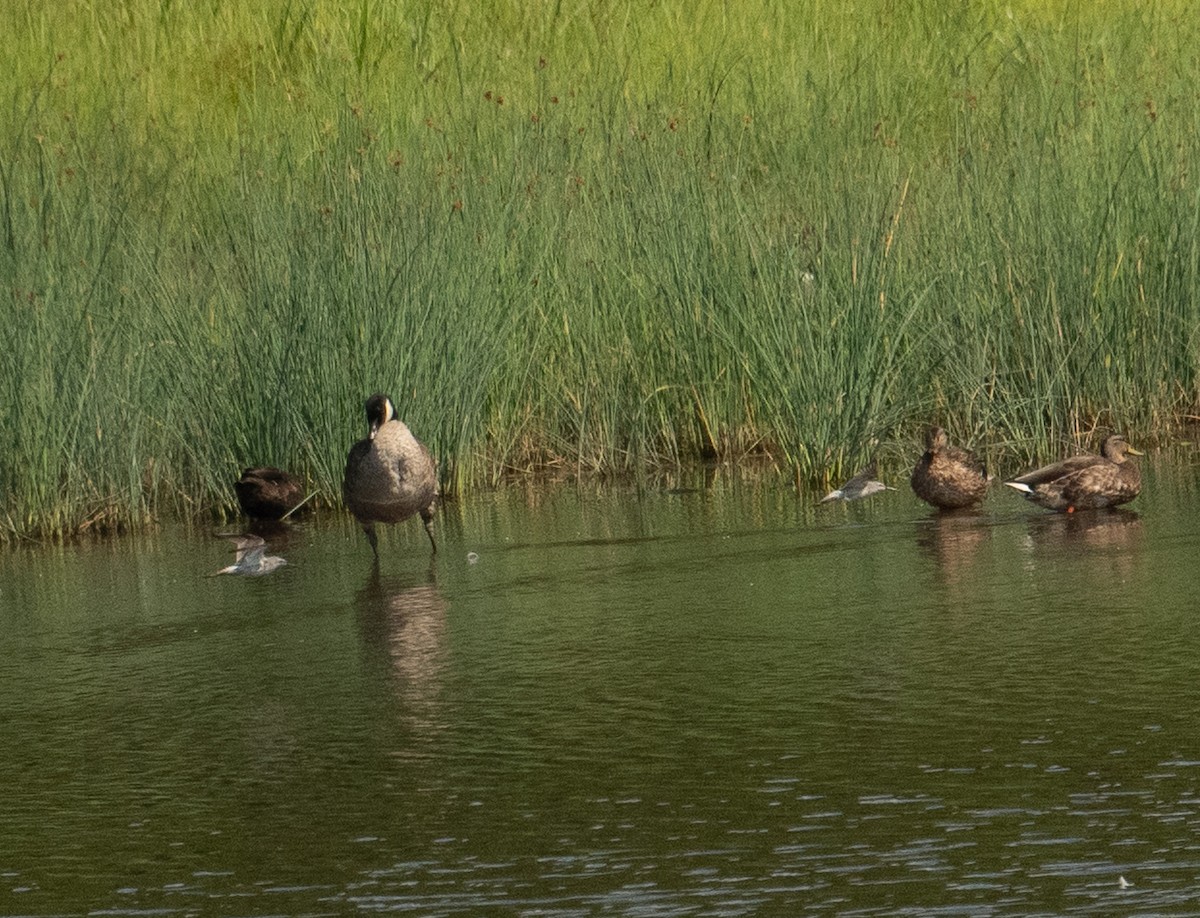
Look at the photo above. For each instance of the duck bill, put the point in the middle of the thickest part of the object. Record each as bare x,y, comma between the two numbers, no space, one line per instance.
1134,452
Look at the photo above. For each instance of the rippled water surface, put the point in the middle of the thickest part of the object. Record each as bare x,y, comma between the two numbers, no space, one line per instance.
716,702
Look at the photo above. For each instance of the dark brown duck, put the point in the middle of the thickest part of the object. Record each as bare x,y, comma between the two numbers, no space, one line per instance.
268,493
948,477
1085,482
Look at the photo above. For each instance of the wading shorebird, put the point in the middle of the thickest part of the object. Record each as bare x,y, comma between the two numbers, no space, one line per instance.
1085,482
861,485
948,477
251,559
390,475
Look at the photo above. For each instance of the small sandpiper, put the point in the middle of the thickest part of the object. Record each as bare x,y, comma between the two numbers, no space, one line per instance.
861,485
251,559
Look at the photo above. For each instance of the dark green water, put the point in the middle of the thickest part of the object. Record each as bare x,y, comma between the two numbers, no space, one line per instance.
717,703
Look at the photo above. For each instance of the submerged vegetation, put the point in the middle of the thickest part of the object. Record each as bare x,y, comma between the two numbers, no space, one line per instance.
586,237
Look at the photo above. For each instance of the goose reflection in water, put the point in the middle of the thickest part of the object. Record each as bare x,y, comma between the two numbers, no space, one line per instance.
403,625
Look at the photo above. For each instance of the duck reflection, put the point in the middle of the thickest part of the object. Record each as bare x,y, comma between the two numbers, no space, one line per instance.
953,539
277,532
1106,542
403,625
1116,530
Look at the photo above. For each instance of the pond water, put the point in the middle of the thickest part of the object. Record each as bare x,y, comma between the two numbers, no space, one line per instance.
713,702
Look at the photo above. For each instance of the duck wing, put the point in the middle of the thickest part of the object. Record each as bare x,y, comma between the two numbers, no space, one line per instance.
1061,472
1102,485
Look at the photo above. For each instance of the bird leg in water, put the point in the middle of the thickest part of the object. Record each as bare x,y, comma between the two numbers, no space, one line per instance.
427,519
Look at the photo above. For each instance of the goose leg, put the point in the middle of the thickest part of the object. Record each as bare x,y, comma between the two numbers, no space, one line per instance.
427,519
369,529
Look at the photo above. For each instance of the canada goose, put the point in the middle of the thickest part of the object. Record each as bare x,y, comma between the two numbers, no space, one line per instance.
1085,482
251,558
861,485
389,474
948,477
268,493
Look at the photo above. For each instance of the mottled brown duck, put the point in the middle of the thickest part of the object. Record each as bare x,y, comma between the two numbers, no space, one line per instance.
1085,482
268,493
948,477
390,475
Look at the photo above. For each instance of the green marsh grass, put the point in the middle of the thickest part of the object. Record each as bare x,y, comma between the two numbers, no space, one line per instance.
590,239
